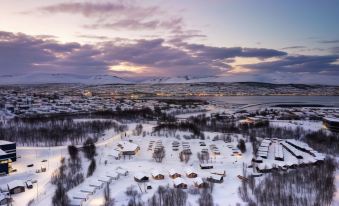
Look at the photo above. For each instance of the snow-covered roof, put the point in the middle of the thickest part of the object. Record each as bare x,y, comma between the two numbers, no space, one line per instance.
88,189
157,172
198,181
112,174
128,146
218,171
121,170
75,202
190,170
15,183
3,196
104,178
178,181
216,177
140,175
206,165
79,195
173,171
2,152
95,182
4,142
331,119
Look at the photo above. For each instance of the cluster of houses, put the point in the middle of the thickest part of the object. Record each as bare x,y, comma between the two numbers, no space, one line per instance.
180,178
50,100
302,153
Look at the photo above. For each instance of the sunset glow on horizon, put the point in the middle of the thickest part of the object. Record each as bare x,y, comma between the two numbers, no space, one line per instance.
257,40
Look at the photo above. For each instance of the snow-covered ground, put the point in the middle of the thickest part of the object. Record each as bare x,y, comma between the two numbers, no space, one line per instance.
142,162
225,193
293,124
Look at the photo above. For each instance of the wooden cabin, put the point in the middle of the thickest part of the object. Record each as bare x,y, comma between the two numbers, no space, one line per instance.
157,175
141,178
190,173
200,183
215,178
180,183
16,186
174,174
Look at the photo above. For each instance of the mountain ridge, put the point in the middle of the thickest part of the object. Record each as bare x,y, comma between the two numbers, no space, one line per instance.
102,79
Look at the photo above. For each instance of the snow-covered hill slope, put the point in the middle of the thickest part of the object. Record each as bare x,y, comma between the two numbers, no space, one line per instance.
38,78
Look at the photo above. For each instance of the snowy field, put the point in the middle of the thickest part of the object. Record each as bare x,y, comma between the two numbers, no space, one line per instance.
294,124
142,162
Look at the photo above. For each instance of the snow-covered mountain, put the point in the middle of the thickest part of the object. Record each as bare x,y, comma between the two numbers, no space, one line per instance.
187,79
41,78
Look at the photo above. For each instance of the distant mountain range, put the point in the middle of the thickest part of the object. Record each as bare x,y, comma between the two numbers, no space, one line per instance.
45,78
186,79
37,78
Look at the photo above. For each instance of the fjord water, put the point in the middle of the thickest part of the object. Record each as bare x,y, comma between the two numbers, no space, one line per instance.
244,100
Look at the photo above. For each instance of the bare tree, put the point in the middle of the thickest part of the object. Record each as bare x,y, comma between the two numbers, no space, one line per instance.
159,154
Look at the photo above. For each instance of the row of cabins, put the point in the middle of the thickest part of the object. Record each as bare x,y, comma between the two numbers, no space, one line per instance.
82,193
215,176
278,152
264,167
295,148
263,148
294,151
302,146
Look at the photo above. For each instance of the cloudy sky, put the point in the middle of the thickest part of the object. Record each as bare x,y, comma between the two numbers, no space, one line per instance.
243,40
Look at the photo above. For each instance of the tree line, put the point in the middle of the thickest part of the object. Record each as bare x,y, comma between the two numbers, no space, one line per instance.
53,132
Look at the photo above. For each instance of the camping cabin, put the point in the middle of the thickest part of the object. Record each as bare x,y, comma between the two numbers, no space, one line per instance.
219,172
121,171
190,173
113,175
200,183
75,202
206,166
215,178
141,177
104,179
5,199
180,183
157,175
174,174
88,189
96,183
80,196
16,186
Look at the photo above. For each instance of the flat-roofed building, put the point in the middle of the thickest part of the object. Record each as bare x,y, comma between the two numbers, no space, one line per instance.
331,123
